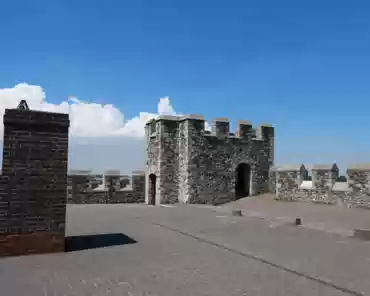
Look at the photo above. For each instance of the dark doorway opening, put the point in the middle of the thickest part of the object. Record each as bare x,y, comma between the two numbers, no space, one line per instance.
152,187
243,180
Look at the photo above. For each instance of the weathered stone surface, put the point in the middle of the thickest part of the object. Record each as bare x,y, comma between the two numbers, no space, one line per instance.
324,188
323,180
87,188
273,179
33,181
359,182
288,180
192,165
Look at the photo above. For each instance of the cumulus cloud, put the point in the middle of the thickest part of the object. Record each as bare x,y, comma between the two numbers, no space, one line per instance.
100,136
87,119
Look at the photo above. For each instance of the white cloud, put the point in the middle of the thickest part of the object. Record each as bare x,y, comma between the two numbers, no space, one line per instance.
101,137
87,119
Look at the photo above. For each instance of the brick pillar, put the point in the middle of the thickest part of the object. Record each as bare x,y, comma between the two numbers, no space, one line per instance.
33,187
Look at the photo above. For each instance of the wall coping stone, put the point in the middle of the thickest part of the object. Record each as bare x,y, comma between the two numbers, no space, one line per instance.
359,167
112,172
324,167
290,167
221,119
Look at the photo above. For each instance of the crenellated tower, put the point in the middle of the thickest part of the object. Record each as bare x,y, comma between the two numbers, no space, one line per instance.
188,164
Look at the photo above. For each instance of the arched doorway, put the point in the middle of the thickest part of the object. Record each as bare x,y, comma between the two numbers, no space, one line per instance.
243,180
152,187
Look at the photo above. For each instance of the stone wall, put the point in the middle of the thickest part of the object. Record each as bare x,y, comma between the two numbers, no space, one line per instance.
84,187
152,164
358,192
33,182
272,183
288,180
291,184
193,165
167,167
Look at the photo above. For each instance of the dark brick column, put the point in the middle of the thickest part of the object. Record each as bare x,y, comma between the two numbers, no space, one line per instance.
33,182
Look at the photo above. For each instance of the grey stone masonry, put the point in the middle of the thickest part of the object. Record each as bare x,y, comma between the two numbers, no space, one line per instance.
272,183
84,187
324,177
188,164
33,181
324,187
358,193
288,180
77,181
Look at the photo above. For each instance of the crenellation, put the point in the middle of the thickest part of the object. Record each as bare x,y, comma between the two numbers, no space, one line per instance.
272,179
186,163
324,177
221,127
324,187
359,181
109,187
288,181
192,165
245,130
191,116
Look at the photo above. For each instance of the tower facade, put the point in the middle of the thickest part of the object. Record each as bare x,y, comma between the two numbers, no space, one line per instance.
188,164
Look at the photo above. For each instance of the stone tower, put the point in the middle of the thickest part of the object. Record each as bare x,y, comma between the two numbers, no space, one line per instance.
187,164
33,181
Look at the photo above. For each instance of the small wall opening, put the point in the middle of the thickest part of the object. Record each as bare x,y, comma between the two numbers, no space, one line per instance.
152,189
243,180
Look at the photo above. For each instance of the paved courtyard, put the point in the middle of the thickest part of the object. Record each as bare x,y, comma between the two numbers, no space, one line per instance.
189,250
327,218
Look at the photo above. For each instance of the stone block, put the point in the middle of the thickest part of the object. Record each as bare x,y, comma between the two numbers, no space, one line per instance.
363,234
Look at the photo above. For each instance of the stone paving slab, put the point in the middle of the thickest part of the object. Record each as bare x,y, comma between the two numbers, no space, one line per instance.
327,218
335,258
188,251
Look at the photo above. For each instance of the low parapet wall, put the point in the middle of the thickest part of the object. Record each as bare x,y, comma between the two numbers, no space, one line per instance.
85,187
291,184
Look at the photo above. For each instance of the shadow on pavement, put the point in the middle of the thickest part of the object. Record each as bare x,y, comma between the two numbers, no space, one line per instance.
85,242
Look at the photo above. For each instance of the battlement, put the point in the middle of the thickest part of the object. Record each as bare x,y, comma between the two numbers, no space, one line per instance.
77,172
292,182
191,158
85,186
220,127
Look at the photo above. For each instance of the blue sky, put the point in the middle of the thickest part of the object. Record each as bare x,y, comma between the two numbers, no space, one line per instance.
302,65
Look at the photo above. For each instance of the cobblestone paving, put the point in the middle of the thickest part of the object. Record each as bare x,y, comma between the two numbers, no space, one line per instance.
188,250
